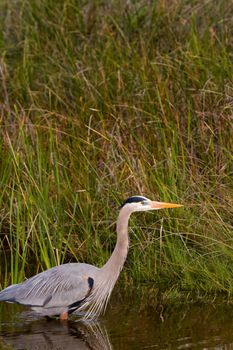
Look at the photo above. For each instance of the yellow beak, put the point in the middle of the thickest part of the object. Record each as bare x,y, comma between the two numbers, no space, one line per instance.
161,205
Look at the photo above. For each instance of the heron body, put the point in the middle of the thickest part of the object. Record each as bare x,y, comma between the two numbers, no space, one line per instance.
64,289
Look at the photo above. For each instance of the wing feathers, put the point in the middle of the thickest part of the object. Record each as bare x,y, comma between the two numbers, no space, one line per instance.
62,285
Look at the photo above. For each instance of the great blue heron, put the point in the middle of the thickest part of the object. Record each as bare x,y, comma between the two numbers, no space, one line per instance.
64,289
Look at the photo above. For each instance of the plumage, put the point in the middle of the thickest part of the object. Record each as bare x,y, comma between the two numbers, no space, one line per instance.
134,199
56,288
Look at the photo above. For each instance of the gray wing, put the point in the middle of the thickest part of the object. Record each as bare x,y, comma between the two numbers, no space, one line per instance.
62,285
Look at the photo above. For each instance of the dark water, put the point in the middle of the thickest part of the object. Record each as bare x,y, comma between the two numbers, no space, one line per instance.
134,320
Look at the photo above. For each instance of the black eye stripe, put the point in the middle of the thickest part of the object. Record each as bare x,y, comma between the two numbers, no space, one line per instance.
134,199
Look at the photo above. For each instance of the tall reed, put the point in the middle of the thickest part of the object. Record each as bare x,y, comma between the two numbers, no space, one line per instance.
102,100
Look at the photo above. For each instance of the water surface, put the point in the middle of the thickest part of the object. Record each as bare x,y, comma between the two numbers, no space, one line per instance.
134,320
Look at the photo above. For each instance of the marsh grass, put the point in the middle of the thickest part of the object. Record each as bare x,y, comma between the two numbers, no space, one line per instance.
102,100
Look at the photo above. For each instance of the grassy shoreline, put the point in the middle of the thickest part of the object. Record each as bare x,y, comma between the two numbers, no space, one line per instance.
102,100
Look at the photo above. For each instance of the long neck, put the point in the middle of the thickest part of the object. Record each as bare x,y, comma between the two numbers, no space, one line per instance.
117,259
108,274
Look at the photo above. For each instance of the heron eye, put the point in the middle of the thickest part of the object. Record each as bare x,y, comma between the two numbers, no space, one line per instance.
144,202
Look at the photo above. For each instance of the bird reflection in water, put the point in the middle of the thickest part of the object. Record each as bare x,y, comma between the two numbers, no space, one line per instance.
53,334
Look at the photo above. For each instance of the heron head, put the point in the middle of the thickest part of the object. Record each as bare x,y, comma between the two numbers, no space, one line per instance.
140,203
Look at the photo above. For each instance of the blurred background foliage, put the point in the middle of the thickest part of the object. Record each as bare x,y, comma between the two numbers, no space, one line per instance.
100,100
